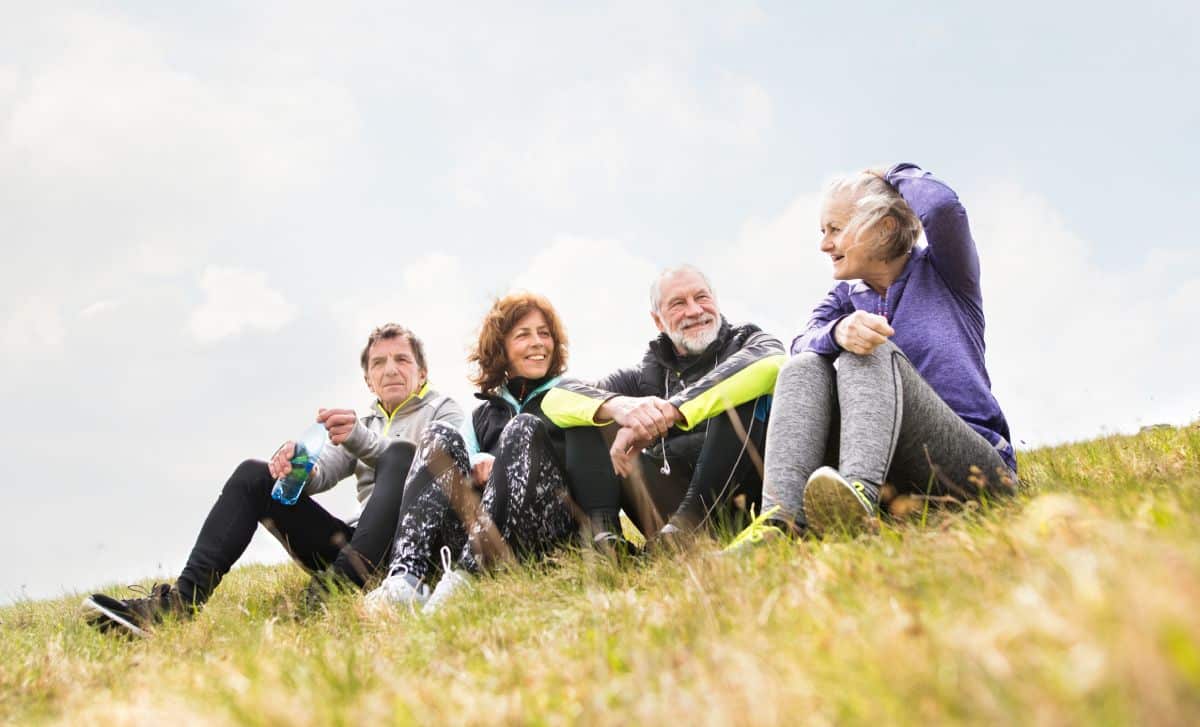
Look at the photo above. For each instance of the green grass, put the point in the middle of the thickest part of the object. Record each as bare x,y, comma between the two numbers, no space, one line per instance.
1078,602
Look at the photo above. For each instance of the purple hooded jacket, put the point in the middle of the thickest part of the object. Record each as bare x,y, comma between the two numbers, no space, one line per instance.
935,307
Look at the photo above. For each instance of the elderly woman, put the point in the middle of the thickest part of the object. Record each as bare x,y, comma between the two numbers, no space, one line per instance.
510,451
888,381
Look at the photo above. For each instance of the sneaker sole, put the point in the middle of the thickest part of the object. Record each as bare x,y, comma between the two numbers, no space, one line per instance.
831,506
90,604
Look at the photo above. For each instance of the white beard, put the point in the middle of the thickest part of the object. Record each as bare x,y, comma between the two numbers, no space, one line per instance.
695,343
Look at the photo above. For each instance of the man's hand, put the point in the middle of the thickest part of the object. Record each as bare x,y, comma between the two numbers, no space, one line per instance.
481,472
338,422
862,332
281,462
624,452
648,416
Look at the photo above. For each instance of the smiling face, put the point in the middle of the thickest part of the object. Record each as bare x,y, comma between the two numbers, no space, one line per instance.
687,312
529,346
852,259
392,371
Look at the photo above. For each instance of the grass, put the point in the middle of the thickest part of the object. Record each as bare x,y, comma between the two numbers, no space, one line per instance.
1078,602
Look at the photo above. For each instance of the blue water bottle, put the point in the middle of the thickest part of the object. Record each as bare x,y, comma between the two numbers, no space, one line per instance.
308,449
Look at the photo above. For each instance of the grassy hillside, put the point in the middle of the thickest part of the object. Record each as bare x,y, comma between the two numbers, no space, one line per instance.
1077,603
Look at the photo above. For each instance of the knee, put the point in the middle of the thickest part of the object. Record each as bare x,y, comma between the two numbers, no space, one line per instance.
251,477
804,367
398,455
523,429
880,354
437,432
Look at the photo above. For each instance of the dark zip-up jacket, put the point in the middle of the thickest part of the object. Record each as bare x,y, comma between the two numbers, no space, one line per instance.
739,366
482,431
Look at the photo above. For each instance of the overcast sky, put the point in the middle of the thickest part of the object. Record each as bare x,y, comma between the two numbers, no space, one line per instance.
205,207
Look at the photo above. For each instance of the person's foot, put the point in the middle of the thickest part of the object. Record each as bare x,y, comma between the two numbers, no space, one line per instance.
136,616
399,590
453,583
833,503
317,592
763,529
614,547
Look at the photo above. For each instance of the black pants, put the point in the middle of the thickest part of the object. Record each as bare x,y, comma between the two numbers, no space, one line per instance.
708,471
312,536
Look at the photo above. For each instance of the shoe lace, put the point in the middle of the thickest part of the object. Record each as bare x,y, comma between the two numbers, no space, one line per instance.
156,592
757,529
447,559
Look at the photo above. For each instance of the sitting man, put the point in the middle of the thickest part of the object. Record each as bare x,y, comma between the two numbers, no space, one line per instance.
692,413
393,363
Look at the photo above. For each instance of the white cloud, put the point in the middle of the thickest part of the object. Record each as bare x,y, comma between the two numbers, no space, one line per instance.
100,307
1075,348
667,124
235,301
112,101
34,327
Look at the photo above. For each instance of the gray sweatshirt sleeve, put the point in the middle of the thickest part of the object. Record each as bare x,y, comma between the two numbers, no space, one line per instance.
364,444
334,465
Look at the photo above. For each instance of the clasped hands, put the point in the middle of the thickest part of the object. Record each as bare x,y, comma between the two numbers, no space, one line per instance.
642,420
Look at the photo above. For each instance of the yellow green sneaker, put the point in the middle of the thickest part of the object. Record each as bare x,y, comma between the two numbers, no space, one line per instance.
834,504
759,531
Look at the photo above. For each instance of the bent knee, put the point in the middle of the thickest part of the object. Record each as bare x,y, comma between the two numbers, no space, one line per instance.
522,428
438,432
804,366
251,476
397,452
881,353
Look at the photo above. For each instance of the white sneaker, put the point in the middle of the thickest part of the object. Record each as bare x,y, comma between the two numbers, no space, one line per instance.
453,581
398,589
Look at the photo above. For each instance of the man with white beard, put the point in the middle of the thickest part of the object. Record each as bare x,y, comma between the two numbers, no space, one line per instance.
691,416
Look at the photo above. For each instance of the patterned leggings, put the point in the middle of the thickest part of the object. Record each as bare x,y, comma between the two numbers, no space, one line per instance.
524,511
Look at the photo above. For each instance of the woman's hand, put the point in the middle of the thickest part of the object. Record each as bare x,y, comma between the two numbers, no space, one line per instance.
862,332
481,471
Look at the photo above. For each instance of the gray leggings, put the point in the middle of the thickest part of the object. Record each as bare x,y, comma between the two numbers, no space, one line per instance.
875,419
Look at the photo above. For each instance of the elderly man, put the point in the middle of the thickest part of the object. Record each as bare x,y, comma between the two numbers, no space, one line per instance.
691,414
394,369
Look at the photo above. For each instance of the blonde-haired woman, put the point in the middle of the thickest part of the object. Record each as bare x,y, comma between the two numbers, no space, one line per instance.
888,382
508,450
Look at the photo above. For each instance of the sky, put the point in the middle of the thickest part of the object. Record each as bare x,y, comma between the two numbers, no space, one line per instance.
204,208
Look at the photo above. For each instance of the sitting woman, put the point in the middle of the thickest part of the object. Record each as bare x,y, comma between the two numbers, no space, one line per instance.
511,452
888,381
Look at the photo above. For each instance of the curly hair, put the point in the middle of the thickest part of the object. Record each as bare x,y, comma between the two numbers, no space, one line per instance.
488,358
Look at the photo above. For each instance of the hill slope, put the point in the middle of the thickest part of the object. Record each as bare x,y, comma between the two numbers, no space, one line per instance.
1075,603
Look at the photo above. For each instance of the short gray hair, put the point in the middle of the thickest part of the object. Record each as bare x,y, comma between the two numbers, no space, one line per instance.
656,286
874,200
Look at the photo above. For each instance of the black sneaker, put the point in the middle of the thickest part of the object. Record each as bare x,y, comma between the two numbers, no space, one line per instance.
614,546
136,615
833,503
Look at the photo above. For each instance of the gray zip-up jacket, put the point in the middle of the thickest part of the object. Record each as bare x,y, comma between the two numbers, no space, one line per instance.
372,434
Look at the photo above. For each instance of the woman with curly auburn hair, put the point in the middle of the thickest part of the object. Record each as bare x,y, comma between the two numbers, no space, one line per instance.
538,481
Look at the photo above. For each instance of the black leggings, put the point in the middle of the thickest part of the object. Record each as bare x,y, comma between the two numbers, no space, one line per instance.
702,484
312,536
525,509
